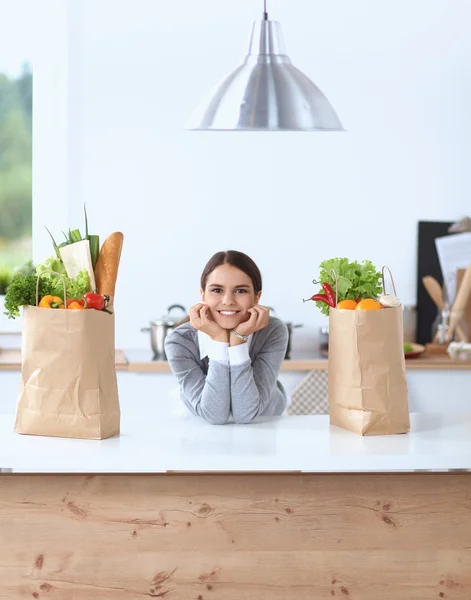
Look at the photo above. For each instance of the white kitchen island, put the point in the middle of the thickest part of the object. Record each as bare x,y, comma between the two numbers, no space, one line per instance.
156,441
282,508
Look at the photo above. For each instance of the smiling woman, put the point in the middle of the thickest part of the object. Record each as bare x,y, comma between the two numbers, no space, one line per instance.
227,355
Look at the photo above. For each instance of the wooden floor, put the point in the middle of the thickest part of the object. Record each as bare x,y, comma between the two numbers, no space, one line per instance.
236,537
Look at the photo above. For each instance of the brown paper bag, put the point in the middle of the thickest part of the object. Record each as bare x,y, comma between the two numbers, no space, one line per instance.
367,373
68,378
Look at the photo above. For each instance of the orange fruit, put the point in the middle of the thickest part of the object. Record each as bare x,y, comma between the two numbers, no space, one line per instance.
368,304
347,304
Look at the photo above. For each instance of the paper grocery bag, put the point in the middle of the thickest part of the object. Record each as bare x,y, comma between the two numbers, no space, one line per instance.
367,373
68,379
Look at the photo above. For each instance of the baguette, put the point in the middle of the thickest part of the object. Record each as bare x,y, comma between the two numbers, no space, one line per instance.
106,269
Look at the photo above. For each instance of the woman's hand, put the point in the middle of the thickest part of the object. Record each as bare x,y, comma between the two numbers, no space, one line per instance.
258,319
200,320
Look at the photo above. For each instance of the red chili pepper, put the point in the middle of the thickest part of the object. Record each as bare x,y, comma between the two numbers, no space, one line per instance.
329,292
318,298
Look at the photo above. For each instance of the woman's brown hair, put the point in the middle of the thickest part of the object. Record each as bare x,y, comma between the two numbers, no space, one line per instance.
236,259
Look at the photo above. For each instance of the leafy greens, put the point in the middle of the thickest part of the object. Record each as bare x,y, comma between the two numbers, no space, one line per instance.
22,289
355,280
76,287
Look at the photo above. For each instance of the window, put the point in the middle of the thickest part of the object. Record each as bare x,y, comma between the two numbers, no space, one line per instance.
15,139
35,37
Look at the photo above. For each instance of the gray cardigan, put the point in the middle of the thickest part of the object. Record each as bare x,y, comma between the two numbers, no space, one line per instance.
215,390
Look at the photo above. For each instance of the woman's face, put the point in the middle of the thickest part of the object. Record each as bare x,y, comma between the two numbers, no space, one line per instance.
229,294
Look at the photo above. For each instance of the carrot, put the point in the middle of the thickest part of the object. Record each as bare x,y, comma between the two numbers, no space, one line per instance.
106,269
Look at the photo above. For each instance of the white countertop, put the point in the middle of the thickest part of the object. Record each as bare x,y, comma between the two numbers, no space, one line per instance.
154,440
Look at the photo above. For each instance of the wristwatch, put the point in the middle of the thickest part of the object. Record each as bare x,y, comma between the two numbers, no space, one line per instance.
238,335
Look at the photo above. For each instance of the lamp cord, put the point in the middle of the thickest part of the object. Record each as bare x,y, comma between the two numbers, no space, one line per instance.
265,14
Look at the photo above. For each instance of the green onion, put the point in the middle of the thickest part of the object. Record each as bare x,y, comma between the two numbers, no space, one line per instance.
93,239
94,248
86,222
56,247
74,236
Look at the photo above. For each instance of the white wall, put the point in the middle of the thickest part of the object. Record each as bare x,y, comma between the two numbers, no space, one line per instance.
397,73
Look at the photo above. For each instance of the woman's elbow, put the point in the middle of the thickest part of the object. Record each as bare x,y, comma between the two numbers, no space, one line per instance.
215,419
243,418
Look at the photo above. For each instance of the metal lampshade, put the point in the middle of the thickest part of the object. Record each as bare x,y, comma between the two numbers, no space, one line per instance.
266,93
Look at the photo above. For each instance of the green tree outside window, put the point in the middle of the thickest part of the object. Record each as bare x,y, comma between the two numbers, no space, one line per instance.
15,172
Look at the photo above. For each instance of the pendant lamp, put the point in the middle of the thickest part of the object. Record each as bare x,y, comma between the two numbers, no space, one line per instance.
266,92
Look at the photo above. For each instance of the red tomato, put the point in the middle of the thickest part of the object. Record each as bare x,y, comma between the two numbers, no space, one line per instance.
96,301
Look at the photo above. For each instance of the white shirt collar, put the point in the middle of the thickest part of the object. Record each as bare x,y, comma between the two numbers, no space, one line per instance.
204,340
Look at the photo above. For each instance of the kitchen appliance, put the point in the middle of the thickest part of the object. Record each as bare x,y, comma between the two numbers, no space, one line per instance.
290,327
159,329
324,338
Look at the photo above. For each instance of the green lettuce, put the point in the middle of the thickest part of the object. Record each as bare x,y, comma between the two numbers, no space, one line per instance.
22,291
355,280
76,287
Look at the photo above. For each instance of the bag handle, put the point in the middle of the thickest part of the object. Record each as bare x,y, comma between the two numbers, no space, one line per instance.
392,280
334,275
63,283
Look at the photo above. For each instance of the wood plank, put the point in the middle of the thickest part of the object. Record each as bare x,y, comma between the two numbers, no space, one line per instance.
252,576
120,360
150,366
318,364
10,360
437,363
233,537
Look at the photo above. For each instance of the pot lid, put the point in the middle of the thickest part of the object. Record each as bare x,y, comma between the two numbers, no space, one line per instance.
171,319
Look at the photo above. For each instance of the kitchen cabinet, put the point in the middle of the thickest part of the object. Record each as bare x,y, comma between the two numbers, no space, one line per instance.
434,385
177,506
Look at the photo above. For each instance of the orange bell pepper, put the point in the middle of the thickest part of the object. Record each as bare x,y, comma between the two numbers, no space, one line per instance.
51,302
75,305
80,301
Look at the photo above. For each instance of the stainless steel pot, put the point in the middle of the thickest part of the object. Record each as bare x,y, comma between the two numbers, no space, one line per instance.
160,328
290,327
